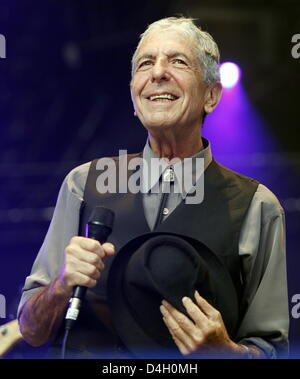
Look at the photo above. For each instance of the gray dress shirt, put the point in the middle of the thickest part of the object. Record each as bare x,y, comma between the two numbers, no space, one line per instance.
261,249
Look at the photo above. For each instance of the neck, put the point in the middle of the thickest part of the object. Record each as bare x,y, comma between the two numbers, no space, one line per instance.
170,146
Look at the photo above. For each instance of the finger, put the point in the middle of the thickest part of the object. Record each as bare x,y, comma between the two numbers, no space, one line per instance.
83,280
89,270
177,330
109,248
196,314
71,279
74,265
182,320
84,255
182,348
204,305
89,244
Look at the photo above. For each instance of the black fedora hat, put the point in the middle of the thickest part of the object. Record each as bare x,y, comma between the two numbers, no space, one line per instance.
157,266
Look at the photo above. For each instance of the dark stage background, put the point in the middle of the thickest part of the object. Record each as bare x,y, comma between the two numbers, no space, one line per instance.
64,100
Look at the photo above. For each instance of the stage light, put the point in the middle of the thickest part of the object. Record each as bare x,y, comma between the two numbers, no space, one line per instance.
230,74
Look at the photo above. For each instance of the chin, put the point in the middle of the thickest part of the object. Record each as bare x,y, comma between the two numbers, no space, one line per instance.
159,122
156,126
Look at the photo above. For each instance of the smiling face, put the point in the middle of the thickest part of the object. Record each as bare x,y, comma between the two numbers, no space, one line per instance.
167,87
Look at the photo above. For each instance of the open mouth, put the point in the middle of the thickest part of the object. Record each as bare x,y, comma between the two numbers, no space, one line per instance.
163,97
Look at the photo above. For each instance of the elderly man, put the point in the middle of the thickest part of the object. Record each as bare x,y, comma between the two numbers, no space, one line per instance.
175,84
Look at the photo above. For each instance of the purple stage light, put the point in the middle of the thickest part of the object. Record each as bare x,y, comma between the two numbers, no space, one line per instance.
230,74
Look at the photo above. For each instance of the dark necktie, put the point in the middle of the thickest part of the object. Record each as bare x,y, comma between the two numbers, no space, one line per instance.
167,177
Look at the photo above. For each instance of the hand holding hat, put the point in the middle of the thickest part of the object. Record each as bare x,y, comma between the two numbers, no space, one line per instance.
201,334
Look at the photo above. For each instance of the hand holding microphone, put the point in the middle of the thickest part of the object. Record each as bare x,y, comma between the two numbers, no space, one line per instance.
84,260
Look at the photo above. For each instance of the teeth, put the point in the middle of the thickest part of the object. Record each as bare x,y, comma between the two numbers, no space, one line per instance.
163,96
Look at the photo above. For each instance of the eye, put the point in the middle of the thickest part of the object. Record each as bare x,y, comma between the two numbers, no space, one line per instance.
144,64
179,62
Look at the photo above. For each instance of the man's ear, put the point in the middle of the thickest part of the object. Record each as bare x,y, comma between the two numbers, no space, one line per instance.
213,97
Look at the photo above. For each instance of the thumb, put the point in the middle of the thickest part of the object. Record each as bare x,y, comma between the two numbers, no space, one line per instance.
109,248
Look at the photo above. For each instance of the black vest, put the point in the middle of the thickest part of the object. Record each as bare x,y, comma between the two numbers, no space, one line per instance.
216,222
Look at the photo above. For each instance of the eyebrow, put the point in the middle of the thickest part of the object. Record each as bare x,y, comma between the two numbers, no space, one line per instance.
170,55
145,56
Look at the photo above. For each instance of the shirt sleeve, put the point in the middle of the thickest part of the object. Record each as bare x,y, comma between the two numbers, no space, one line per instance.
262,250
64,225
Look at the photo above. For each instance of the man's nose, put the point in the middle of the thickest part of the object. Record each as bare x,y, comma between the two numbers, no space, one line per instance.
160,71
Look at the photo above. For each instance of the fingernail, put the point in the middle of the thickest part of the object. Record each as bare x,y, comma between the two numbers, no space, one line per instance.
197,293
110,247
164,302
185,299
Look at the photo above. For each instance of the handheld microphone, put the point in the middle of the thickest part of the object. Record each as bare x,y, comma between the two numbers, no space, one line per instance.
98,228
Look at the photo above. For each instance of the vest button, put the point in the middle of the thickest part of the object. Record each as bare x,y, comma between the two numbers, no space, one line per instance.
165,211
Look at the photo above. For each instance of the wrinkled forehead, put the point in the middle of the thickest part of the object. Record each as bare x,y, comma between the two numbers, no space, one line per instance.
167,42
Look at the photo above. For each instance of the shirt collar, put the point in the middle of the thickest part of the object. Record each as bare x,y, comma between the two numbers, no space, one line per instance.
156,172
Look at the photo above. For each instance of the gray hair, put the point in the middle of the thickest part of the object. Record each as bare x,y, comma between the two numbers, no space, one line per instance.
206,51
